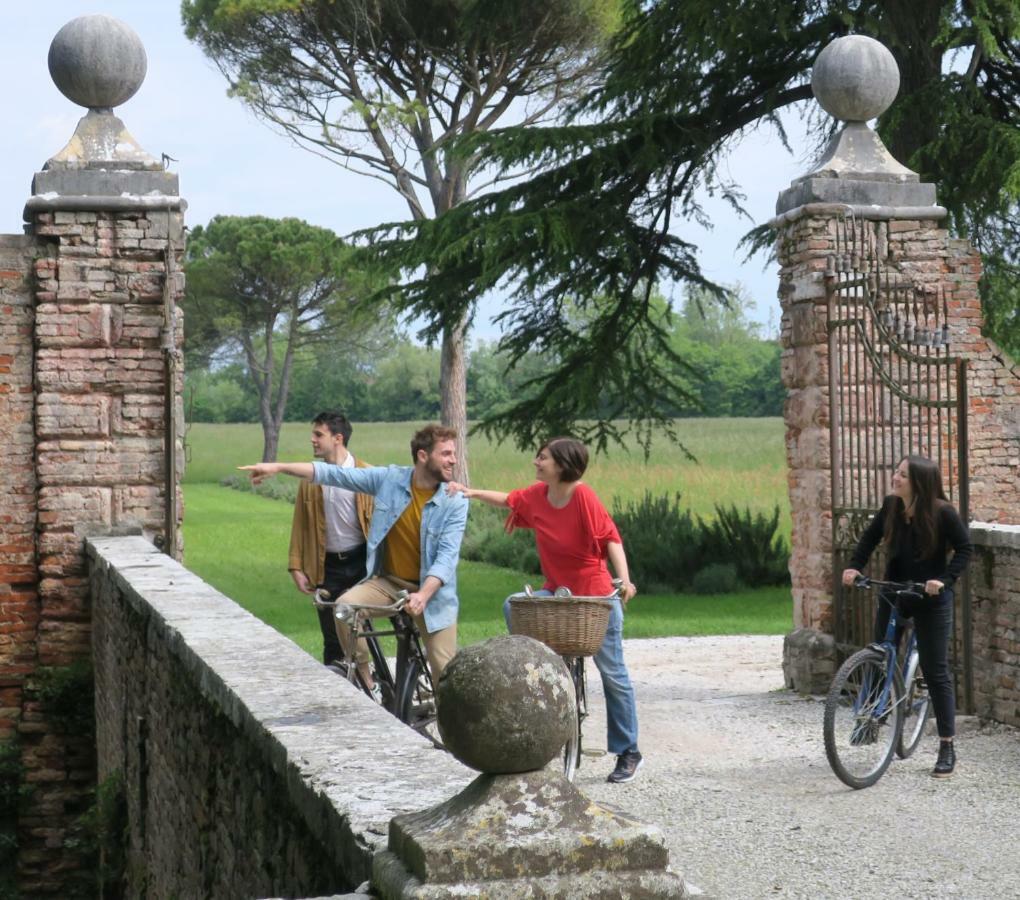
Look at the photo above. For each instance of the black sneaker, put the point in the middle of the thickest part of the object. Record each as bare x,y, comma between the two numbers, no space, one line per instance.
946,762
627,765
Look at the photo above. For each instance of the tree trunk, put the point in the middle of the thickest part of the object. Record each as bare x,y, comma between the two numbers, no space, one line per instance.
453,392
262,376
270,440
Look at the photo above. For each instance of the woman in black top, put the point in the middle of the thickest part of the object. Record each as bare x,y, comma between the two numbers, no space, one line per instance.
919,527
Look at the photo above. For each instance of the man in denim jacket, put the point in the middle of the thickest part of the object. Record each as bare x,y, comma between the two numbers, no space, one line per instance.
413,539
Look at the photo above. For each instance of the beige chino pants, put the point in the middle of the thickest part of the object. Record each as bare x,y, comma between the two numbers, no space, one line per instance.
381,590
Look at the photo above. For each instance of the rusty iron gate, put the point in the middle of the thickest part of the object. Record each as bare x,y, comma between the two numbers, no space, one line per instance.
895,388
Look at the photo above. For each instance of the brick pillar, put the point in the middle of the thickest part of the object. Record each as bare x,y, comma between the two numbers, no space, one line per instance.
95,366
18,573
804,246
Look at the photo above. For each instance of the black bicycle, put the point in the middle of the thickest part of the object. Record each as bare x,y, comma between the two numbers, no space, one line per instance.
876,706
406,689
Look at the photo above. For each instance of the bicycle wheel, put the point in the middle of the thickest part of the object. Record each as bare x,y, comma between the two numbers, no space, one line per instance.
572,748
916,709
416,702
861,727
383,690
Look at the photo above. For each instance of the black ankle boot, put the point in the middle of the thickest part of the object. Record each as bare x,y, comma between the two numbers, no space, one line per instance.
947,760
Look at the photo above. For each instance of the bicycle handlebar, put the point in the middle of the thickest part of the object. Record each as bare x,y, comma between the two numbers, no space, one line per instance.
900,588
345,612
564,593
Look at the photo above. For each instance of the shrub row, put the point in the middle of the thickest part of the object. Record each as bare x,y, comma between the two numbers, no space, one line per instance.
274,488
668,548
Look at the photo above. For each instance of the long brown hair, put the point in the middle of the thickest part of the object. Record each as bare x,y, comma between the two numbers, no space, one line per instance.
926,486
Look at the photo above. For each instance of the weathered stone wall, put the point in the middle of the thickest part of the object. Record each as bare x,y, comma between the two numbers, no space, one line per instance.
249,769
995,618
18,573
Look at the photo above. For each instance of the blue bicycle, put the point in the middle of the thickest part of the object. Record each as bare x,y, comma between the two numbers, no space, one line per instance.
876,705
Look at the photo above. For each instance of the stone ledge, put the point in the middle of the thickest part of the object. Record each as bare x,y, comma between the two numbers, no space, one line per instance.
991,534
349,767
90,203
829,210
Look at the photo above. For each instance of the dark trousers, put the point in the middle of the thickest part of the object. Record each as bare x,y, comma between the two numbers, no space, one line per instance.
933,623
342,573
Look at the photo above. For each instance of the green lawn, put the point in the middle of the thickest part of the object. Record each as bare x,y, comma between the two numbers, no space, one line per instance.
238,543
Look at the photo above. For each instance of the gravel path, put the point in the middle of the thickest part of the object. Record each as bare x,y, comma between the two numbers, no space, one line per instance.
735,774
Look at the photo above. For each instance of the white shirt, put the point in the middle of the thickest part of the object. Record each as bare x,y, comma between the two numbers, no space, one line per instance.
343,530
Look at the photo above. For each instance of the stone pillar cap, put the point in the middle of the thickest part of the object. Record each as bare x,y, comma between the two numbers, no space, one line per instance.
99,62
854,79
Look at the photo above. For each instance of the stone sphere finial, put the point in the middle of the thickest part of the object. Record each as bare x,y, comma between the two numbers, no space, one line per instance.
505,705
97,61
855,78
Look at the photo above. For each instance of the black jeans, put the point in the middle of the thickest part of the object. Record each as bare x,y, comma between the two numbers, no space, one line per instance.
342,573
933,623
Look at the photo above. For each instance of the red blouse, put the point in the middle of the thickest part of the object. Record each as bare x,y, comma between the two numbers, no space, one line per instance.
572,541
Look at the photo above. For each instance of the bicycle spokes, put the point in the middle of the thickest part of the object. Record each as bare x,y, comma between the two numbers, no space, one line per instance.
863,717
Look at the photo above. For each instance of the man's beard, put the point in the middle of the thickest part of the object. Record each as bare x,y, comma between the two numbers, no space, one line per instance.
434,471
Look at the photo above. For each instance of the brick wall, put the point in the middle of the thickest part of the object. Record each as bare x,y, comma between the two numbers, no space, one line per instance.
81,404
803,248
250,770
995,620
18,600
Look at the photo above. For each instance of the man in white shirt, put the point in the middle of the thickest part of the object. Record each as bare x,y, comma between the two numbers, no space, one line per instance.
327,537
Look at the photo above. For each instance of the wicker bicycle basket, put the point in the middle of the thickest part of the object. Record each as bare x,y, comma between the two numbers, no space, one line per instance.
571,626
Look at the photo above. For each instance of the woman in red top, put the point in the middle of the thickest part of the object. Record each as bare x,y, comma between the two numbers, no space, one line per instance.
576,537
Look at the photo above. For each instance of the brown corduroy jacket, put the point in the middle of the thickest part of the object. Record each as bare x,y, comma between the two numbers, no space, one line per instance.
308,529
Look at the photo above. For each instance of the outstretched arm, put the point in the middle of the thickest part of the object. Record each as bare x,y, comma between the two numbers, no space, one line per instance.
262,471
492,498
618,560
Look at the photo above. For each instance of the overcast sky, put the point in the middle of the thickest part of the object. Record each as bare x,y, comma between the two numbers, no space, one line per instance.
231,163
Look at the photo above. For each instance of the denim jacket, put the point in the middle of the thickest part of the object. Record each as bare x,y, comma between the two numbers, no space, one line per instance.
442,527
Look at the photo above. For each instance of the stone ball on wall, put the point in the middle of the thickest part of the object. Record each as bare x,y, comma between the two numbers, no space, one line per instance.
855,78
505,705
97,61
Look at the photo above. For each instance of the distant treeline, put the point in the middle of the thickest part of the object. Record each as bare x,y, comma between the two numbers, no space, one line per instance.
735,373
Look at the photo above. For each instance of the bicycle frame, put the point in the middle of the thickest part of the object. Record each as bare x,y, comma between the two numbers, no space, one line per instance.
887,645
360,618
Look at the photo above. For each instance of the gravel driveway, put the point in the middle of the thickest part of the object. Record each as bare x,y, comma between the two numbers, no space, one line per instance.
735,774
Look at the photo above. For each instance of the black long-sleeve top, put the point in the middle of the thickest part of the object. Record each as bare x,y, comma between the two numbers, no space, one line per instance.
904,561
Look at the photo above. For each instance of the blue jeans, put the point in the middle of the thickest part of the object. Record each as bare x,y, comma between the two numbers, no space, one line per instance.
621,707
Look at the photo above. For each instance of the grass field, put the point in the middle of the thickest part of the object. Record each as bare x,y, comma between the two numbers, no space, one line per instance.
739,461
238,541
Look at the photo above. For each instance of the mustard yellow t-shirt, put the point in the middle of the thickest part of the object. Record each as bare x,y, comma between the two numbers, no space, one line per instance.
402,554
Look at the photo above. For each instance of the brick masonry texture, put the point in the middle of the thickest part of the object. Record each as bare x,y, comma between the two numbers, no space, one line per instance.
248,774
19,613
995,620
924,251
82,375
